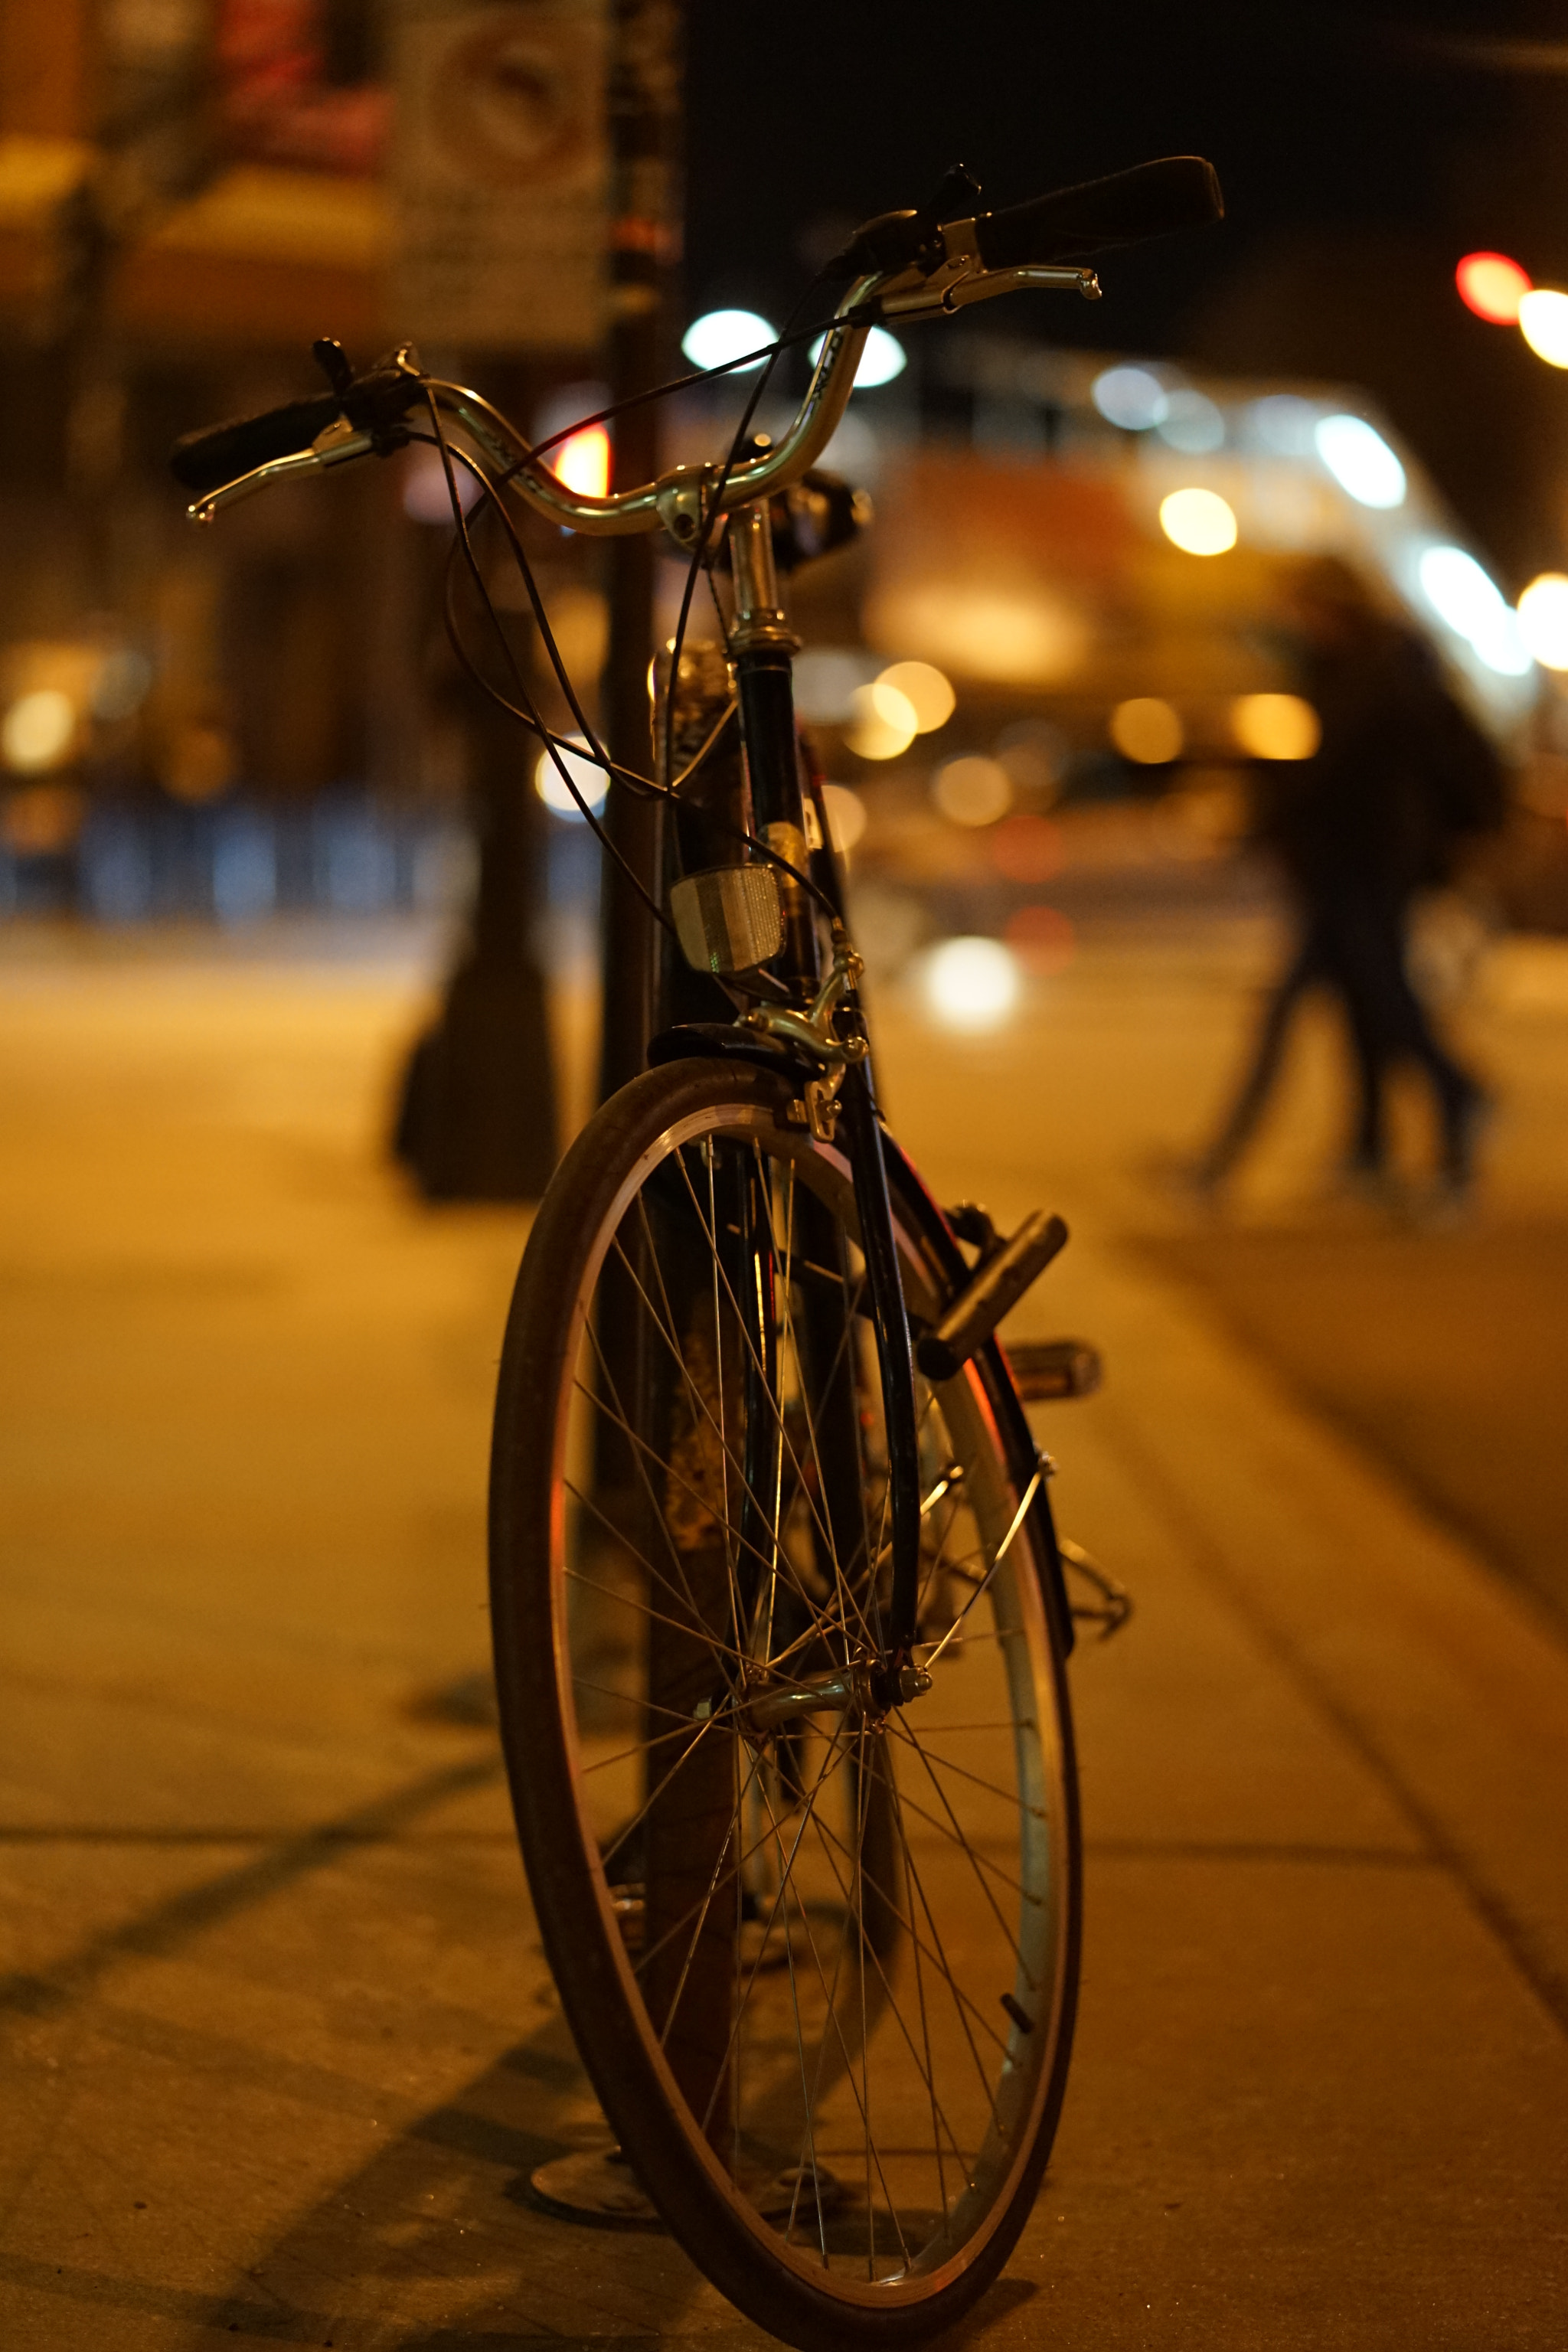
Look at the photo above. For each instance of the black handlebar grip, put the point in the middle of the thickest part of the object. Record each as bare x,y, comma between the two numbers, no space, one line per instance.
206,460
1151,200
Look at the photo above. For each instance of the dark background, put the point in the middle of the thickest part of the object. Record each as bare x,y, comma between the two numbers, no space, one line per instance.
1359,157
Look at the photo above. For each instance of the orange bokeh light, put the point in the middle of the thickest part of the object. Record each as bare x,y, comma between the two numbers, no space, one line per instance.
1042,937
1492,286
1026,848
582,462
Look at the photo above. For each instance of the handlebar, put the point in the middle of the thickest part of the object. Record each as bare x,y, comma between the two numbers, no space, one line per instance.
917,271
1152,200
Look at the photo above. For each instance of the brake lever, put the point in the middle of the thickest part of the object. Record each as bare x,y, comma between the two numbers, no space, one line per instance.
334,446
338,442
961,277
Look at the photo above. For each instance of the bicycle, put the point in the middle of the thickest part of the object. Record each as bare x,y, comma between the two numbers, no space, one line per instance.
780,1616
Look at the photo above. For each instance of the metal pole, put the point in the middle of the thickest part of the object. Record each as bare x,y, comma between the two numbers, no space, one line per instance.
645,121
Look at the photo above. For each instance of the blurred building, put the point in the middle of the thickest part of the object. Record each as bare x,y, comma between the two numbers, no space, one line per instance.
1093,552
185,201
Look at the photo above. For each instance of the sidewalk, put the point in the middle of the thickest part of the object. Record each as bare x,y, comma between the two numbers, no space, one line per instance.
277,2046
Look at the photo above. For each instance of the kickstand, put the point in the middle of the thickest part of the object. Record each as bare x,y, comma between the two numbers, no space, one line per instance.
1112,1603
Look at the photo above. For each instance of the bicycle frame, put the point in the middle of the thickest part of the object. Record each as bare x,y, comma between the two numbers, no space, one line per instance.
687,503
763,648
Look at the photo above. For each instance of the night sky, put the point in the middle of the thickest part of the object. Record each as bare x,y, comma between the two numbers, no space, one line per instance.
1359,157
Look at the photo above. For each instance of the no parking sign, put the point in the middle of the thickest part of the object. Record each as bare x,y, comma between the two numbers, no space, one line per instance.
499,172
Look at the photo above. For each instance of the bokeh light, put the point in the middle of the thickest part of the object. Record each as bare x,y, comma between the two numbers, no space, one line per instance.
198,764
1146,730
1276,726
826,677
720,336
41,820
38,731
1199,522
1360,461
1027,848
1042,937
1471,604
1129,397
1492,286
427,497
973,791
970,984
1543,620
883,358
122,684
1035,754
884,725
1283,424
591,781
926,691
1192,422
1544,323
846,817
582,462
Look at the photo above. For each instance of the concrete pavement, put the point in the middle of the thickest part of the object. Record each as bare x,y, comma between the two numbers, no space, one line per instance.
276,2042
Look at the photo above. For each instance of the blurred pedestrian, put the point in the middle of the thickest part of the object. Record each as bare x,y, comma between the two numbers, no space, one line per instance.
1401,780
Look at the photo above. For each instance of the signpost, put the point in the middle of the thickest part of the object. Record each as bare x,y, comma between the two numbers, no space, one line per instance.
497,186
645,125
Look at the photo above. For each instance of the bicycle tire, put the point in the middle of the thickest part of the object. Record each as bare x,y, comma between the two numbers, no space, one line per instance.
934,1869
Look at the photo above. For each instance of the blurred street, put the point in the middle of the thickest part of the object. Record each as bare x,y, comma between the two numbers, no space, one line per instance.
278,2049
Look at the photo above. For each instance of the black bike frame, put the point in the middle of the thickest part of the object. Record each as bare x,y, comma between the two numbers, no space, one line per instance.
763,648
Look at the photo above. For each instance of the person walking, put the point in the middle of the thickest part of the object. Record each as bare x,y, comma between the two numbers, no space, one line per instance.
1401,781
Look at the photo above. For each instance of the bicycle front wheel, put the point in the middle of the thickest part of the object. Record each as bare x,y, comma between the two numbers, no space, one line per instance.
817,1939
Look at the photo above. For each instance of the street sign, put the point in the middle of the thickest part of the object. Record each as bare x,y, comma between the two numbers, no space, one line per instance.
499,172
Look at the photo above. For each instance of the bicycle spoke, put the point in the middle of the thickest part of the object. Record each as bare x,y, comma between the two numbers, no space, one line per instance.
898,1723
720,1275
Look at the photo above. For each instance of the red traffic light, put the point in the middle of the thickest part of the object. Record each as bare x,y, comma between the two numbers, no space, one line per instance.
1492,286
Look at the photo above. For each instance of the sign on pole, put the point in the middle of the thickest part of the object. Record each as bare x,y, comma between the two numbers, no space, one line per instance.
499,172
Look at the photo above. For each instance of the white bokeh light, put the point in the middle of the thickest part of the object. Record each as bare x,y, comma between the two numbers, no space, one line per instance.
970,984
1543,620
1130,398
720,336
1466,597
1283,424
1198,521
1192,422
1360,461
590,780
1544,323
883,359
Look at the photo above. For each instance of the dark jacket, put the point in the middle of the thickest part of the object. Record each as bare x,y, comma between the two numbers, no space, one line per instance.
1401,781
